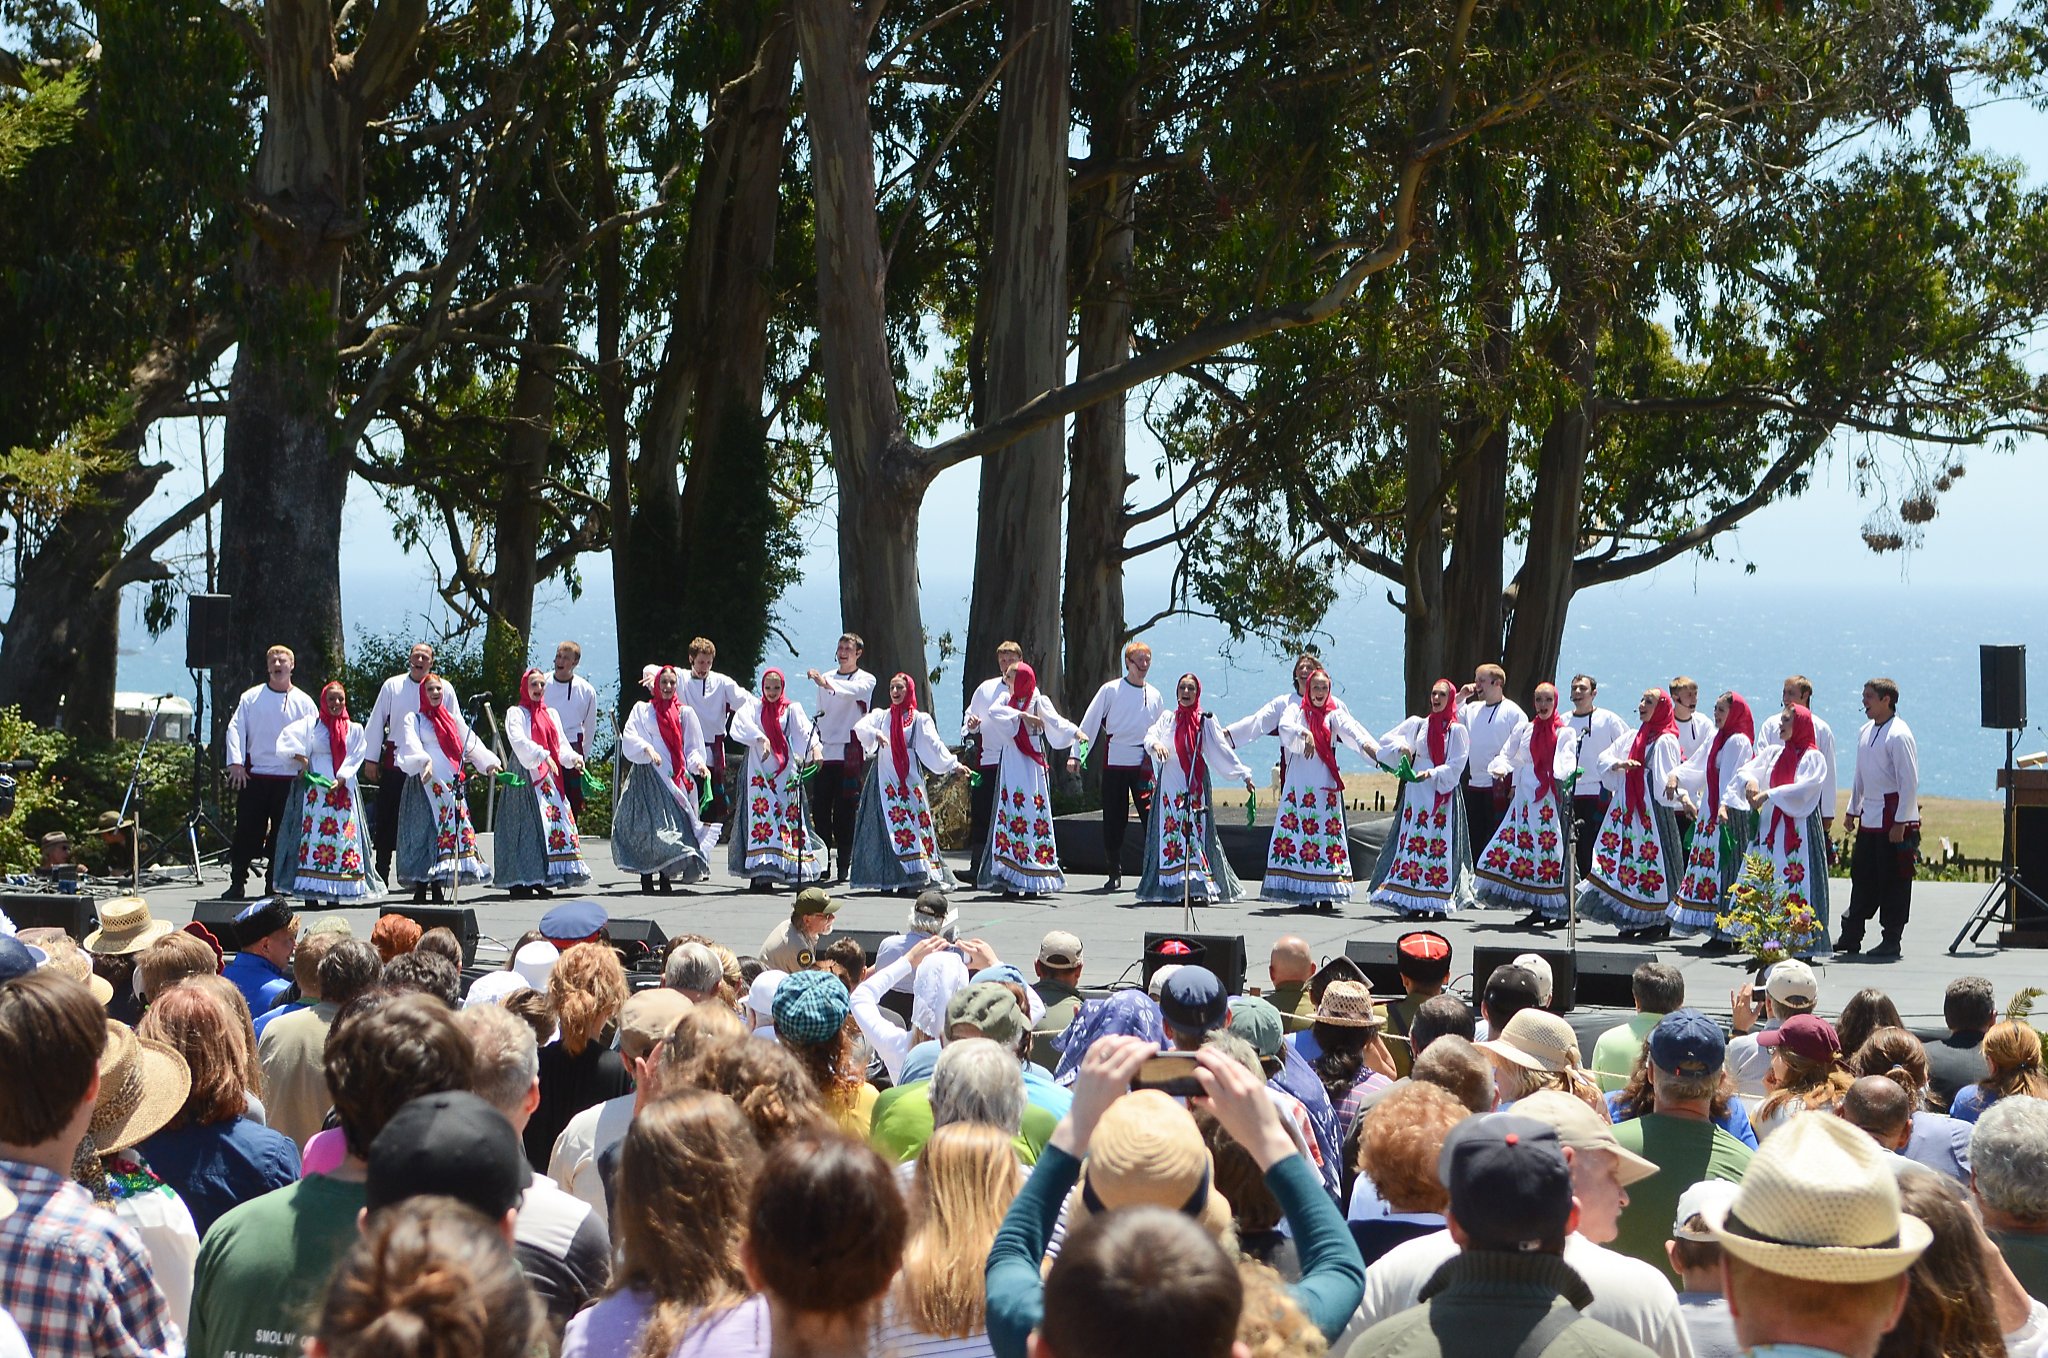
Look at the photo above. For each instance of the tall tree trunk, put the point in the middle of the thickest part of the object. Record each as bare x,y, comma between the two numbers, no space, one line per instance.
89,706
1017,543
1474,579
1092,607
522,473
1422,532
881,476
284,479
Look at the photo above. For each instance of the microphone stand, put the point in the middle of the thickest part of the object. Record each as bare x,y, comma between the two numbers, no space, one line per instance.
132,798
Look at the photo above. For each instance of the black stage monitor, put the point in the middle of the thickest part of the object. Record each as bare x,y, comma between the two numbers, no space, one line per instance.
461,920
1220,953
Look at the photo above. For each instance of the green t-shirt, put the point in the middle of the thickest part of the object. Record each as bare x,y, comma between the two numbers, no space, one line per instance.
903,1123
264,1266
1685,1151
1614,1053
2027,1255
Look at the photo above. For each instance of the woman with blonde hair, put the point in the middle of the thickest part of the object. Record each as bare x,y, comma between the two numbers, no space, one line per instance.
773,1090
1807,1073
2012,1051
428,1278
967,1175
237,1004
586,990
212,1152
1538,1050
686,1169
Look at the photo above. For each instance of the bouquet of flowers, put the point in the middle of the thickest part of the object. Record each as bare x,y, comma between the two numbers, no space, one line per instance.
1763,923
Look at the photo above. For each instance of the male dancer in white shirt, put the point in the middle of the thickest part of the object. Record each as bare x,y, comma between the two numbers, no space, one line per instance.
1695,728
1595,729
399,695
261,777
981,802
1770,730
1884,814
714,697
1116,721
574,702
1490,716
843,699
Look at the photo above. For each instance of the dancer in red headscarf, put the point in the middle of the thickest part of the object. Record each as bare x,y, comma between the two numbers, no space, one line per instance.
1181,849
436,842
1710,787
1638,857
1526,865
1020,858
771,840
536,844
1425,867
1787,785
323,840
895,843
656,832
1308,856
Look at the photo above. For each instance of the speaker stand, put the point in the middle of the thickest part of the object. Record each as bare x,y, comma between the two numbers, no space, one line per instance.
196,816
2002,897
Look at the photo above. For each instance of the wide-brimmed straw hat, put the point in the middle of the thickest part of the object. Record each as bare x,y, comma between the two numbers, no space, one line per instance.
125,927
1536,1039
1147,1152
143,1084
1348,1004
1819,1203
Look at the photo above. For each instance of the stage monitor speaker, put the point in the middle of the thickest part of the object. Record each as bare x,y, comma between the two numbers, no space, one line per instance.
75,915
1221,953
219,919
2030,861
208,642
1607,977
870,940
1563,973
1376,960
462,920
2003,670
640,943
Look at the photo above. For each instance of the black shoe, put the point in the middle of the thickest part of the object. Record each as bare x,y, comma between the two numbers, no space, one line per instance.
541,893
761,884
1845,947
1533,920
647,884
1718,947
519,893
1656,933
1887,948
1115,882
419,895
1547,923
440,898
963,878
238,892
667,887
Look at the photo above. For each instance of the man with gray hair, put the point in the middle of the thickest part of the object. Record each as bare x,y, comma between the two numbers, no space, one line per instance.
977,1081
2007,1152
904,1117
563,1247
695,971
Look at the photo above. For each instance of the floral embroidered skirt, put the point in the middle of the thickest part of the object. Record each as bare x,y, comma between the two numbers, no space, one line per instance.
1636,863
771,835
895,844
1308,859
1527,863
1181,848
1021,854
1426,863
1710,868
323,851
436,842
534,839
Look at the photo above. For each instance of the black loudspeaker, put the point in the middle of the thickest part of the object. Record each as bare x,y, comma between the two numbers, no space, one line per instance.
2003,671
207,638
1564,973
1607,977
870,940
219,919
1376,960
461,920
640,943
2030,861
50,910
1221,953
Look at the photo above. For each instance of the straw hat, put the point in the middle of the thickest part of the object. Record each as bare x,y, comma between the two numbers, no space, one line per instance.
73,961
143,1084
1536,1039
1348,1004
125,927
1147,1152
1818,1202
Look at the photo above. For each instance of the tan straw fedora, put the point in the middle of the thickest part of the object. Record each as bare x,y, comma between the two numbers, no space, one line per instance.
125,927
1818,1202
1348,1004
1147,1152
143,1084
1536,1039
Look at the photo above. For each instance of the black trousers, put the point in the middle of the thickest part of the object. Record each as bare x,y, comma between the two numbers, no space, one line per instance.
835,800
259,807
1482,816
719,810
1878,887
1587,814
572,784
981,807
1122,785
384,813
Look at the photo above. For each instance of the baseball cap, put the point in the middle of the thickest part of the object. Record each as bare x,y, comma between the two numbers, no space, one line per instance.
810,1008
451,1144
1534,963
1579,1127
1793,982
573,922
1257,1022
1193,1000
1060,949
1510,1187
761,995
812,900
649,1016
1687,1042
933,913
990,1007
18,959
1708,1199
1804,1035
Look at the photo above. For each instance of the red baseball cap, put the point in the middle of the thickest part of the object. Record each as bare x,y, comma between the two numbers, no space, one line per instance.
1804,1035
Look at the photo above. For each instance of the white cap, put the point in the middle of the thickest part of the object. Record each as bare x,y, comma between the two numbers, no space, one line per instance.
1793,980
493,986
536,961
761,995
1702,1200
1155,989
1530,961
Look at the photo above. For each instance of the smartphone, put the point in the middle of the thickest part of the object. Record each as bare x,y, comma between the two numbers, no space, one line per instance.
1170,1073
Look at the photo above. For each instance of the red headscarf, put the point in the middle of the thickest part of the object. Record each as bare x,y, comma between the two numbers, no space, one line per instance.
447,731
772,720
1741,722
1440,723
1543,742
668,719
1317,717
1662,722
1799,738
1023,689
540,721
901,716
337,726
1187,734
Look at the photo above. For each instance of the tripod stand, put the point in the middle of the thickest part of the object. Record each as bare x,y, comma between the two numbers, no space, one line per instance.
2006,888
196,814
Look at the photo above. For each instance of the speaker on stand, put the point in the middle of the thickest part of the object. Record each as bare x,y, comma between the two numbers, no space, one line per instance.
208,637
2010,901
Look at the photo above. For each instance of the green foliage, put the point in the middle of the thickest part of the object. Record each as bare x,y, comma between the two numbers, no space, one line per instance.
376,656
72,784
1767,922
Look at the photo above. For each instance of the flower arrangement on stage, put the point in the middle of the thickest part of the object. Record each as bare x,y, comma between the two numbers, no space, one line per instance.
1767,922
